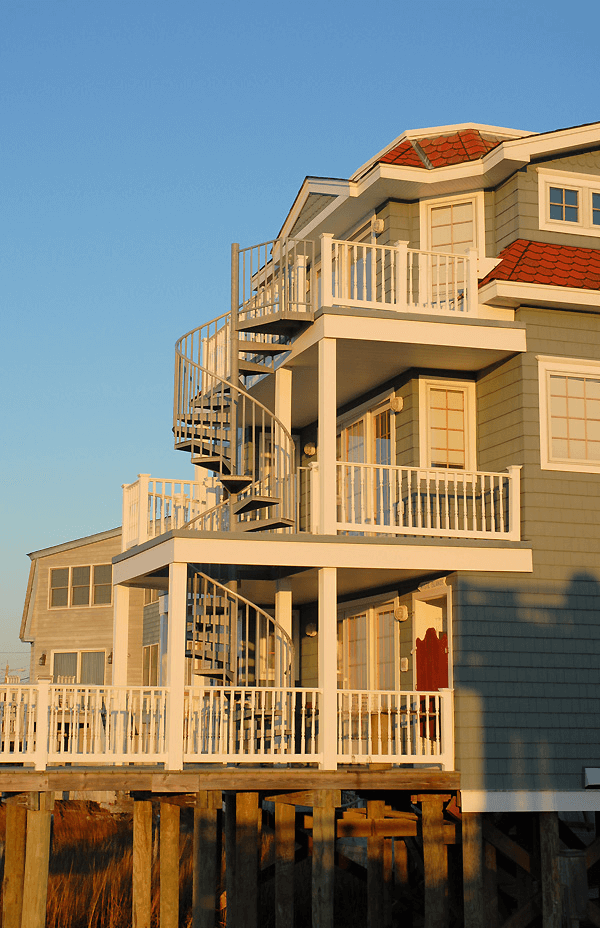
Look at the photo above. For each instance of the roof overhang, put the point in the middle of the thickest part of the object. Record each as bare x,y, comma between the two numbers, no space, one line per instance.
513,293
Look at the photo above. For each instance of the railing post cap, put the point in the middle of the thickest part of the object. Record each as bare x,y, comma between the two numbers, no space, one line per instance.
326,235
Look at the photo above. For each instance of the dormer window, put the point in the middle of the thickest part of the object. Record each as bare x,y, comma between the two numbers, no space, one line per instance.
453,225
569,202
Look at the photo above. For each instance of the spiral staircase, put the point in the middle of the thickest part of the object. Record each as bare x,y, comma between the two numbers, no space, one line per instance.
228,431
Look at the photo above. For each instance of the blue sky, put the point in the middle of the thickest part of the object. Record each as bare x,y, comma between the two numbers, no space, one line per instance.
141,138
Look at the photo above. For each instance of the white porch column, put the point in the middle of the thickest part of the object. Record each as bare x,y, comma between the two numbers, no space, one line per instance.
327,652
120,634
283,617
176,663
283,396
327,436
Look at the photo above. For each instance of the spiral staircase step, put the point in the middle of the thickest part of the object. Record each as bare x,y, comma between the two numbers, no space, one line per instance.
255,501
235,483
264,525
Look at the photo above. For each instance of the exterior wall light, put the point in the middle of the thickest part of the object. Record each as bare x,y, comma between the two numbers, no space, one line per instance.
311,630
42,660
310,449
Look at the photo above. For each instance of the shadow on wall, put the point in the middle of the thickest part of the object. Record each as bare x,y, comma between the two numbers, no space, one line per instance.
526,678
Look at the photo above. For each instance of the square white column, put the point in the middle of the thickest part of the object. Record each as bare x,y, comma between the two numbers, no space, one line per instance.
120,634
327,654
327,436
176,663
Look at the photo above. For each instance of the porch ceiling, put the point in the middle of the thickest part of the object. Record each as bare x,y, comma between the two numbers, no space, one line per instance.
364,366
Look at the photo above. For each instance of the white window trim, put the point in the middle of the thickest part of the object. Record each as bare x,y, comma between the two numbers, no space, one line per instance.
78,652
575,367
425,207
585,184
470,420
71,605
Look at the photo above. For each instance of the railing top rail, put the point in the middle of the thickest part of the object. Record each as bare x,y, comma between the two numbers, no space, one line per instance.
431,471
207,513
441,254
197,329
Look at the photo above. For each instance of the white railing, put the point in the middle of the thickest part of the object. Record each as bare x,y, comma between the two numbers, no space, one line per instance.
107,724
393,727
153,505
251,724
277,277
397,277
428,501
18,715
52,724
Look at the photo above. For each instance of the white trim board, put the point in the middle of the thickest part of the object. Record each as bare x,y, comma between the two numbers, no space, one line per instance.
518,800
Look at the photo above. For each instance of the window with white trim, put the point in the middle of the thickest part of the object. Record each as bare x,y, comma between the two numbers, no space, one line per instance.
569,414
150,665
569,202
369,647
453,225
447,424
80,586
81,667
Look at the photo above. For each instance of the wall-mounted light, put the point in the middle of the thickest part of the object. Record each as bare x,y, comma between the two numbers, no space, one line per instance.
310,449
42,660
396,404
311,630
109,659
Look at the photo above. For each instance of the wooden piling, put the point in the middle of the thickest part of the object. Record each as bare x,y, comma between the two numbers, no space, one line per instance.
169,865
142,864
375,844
323,861
246,865
550,873
37,856
230,858
285,845
472,851
435,861
206,858
14,864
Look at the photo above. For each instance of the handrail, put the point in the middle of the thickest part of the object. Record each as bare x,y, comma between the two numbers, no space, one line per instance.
262,655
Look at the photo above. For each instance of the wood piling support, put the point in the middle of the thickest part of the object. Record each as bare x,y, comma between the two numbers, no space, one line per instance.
323,861
285,845
375,881
142,864
14,864
169,865
550,872
472,849
246,865
37,856
206,858
435,860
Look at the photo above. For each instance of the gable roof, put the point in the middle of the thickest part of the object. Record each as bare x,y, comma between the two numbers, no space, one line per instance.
542,263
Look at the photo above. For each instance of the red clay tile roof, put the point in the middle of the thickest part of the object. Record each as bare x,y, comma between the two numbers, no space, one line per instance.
540,263
465,145
404,153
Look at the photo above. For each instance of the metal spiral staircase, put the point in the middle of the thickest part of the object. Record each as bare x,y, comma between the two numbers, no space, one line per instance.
228,431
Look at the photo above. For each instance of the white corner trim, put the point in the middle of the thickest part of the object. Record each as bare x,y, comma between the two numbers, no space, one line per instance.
517,800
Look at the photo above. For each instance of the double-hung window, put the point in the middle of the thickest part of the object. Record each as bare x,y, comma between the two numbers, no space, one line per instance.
569,202
569,414
83,667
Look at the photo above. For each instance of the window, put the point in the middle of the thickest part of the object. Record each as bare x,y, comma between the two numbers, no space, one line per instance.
150,665
569,414
369,648
453,225
82,667
569,202
447,424
81,586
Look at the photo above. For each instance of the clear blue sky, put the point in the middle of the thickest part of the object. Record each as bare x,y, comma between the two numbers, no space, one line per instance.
141,138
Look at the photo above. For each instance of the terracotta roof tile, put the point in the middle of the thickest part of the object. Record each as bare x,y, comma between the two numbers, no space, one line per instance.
465,145
405,154
540,263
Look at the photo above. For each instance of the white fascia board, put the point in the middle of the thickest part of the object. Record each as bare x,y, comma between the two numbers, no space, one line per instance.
323,214
549,143
513,293
329,186
419,332
325,552
76,543
517,800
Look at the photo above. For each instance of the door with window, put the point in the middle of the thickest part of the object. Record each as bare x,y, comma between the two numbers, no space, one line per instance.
451,230
368,648
364,489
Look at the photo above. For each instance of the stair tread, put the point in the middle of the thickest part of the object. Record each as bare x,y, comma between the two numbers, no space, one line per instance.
263,525
255,501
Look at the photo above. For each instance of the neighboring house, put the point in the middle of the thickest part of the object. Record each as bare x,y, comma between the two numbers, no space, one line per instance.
68,613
